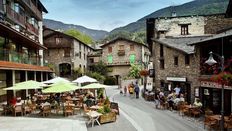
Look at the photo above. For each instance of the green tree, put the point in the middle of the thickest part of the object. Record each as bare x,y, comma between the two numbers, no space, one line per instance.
100,68
134,71
80,36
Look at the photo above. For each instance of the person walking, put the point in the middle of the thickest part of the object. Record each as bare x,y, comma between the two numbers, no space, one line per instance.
125,91
137,90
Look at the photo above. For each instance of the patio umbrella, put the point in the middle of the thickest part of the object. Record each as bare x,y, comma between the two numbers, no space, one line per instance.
56,80
27,85
60,87
94,86
84,79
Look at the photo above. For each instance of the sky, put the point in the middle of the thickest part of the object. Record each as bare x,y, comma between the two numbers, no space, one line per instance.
103,14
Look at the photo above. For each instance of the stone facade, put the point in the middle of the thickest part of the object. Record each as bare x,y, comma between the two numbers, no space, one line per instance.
215,23
190,72
64,49
172,25
121,63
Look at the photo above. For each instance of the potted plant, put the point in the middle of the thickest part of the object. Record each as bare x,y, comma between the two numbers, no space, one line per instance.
107,114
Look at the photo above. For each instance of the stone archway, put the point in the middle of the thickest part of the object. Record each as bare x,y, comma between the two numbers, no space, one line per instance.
65,69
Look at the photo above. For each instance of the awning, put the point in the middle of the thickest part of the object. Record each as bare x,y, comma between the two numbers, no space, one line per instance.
212,84
5,65
19,37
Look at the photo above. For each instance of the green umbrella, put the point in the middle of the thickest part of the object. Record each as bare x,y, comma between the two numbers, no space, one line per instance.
26,85
60,87
94,86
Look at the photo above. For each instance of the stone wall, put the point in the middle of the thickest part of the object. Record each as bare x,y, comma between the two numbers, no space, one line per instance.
216,23
190,72
173,28
115,47
55,53
119,69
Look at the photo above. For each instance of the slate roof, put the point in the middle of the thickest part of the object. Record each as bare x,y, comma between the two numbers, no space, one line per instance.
213,37
181,43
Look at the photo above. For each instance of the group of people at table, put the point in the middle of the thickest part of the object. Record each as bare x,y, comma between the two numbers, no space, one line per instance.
45,103
175,100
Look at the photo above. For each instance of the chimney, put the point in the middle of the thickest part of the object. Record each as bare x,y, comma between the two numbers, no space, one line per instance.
173,14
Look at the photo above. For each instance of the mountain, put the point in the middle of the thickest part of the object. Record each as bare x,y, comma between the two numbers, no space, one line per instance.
196,7
57,25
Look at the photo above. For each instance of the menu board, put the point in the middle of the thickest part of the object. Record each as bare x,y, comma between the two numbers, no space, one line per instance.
216,99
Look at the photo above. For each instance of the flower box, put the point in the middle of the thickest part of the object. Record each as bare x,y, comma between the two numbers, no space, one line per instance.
108,117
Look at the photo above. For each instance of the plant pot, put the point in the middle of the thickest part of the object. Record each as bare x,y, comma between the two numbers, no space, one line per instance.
108,117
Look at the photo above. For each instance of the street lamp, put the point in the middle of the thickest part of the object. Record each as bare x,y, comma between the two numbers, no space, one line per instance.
211,61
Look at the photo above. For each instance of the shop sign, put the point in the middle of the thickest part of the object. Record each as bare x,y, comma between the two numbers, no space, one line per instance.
213,84
179,79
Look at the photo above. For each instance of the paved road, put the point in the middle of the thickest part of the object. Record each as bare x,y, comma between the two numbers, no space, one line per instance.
144,117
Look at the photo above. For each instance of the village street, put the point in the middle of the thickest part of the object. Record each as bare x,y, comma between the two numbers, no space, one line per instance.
140,115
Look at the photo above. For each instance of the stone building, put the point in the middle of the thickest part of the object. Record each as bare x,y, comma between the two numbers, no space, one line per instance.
176,63
119,53
21,45
65,53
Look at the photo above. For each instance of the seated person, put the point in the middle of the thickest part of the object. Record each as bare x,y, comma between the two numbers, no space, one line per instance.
28,101
19,102
13,101
197,103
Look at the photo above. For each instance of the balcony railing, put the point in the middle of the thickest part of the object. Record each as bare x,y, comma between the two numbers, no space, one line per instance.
13,56
33,8
15,16
121,63
32,29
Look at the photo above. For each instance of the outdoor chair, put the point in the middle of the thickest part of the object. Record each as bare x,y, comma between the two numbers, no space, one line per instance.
195,112
18,109
183,110
210,123
32,107
228,123
46,110
27,109
68,110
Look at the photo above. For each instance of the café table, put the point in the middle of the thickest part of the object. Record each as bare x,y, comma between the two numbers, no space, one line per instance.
95,107
93,115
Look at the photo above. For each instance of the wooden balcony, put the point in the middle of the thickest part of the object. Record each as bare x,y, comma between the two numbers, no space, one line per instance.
121,52
33,8
32,29
15,16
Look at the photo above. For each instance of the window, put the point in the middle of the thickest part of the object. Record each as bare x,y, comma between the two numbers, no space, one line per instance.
84,56
132,58
110,59
161,63
161,50
66,52
80,66
176,60
91,60
80,55
184,30
58,40
121,47
187,60
109,49
132,48
80,47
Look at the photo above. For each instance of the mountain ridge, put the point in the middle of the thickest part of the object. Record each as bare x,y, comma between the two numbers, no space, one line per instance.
58,25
